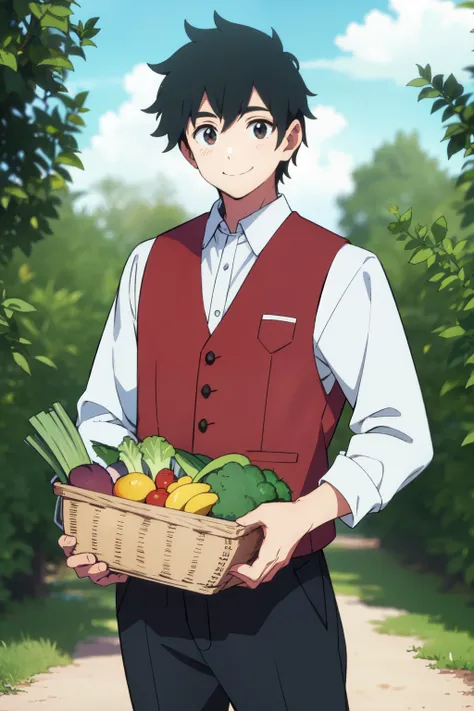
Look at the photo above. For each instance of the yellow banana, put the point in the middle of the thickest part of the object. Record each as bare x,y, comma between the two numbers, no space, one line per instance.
182,480
180,496
201,503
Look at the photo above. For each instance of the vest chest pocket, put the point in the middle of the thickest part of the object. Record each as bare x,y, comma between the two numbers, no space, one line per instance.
275,332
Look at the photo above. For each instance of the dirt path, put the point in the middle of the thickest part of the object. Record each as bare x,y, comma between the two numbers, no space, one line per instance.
382,673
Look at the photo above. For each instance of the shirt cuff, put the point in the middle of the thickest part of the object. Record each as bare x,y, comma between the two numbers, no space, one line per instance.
356,486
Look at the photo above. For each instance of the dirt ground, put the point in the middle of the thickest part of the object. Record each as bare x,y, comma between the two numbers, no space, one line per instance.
382,674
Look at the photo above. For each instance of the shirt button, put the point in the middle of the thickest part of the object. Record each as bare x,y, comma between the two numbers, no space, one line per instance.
210,357
217,312
202,425
226,266
206,390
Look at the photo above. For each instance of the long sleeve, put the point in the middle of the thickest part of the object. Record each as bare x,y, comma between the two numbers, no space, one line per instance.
364,347
107,409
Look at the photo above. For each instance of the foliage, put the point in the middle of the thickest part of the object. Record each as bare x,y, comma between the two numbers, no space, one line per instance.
70,279
39,121
432,518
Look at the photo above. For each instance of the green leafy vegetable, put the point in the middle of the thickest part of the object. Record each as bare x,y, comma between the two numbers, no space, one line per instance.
130,454
157,453
108,454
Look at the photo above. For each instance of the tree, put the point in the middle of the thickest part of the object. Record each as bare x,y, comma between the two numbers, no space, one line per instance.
71,279
38,124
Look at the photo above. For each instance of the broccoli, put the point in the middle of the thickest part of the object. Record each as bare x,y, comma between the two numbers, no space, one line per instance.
282,489
241,489
130,454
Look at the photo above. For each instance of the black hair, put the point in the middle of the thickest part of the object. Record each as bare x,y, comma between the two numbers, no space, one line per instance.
226,63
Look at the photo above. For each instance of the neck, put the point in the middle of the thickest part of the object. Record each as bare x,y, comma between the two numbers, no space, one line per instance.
235,209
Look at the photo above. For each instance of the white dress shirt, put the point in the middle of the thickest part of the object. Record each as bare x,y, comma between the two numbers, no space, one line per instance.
359,341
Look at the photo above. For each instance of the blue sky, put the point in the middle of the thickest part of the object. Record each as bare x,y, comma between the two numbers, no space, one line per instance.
368,90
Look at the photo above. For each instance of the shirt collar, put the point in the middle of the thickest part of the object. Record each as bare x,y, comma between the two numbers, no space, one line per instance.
258,228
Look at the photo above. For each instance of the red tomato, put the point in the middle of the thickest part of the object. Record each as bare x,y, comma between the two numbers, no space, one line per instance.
164,478
157,497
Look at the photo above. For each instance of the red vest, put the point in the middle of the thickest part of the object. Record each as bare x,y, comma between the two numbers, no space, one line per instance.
252,386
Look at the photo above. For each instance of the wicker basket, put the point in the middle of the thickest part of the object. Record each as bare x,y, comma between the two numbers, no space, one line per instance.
184,550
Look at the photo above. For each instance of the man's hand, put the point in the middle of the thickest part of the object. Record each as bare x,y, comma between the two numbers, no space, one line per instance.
87,566
284,525
283,528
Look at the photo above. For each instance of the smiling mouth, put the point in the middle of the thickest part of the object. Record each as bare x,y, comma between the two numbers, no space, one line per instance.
234,175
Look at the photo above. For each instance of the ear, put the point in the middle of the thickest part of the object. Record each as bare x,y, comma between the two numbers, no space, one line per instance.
292,140
187,153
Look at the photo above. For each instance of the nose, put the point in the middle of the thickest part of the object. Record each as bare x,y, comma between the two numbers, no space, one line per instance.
229,151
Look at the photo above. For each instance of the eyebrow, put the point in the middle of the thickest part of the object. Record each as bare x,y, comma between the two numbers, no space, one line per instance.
248,110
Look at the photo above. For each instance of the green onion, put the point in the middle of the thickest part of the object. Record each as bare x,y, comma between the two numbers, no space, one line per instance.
58,441
36,444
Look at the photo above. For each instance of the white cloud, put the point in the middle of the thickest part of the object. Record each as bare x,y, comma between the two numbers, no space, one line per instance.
422,32
124,149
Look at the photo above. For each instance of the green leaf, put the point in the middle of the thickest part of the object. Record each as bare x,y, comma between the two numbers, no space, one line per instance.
428,93
452,88
80,98
421,256
449,280
8,59
15,304
459,247
448,386
34,222
448,245
88,43
470,360
461,274
406,217
46,361
16,191
58,23
452,332
57,181
60,11
418,82
25,341
470,382
469,305
437,105
20,360
75,119
454,129
468,439
437,277
69,159
456,144
37,9
58,63
5,201
397,227
439,228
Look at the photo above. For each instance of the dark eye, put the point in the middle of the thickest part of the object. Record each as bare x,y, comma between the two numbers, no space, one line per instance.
261,129
206,135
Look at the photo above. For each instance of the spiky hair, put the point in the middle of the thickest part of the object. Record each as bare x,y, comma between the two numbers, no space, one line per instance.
226,63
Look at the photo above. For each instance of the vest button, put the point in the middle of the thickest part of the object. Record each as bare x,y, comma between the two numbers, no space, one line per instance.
206,390
210,357
202,425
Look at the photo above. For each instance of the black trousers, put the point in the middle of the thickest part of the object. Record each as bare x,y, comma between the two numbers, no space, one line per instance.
279,647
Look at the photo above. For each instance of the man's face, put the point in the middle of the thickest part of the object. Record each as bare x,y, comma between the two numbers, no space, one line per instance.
240,159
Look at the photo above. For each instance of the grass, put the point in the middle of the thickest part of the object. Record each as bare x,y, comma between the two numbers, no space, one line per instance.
443,621
39,634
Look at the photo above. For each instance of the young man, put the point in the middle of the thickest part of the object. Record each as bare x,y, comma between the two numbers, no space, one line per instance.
245,330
